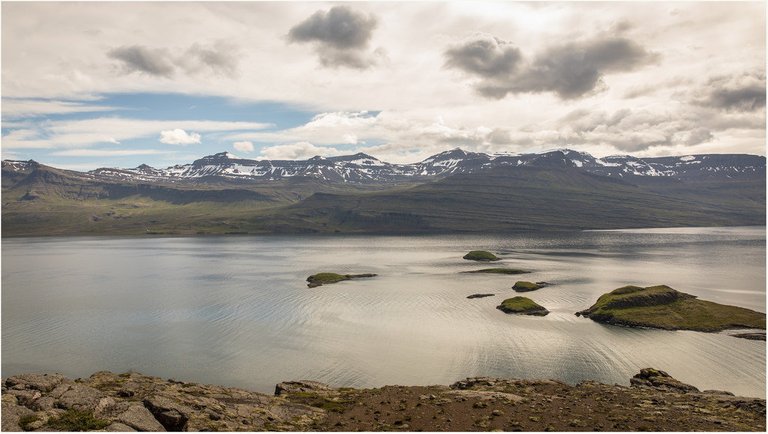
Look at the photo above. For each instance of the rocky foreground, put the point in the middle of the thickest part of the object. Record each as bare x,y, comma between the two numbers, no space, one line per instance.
134,402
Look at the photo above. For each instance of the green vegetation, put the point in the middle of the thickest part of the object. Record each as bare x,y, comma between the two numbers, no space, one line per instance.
498,271
523,286
50,201
328,278
665,308
25,421
522,305
480,255
76,420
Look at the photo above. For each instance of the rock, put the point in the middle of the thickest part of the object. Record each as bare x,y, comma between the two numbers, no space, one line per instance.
522,306
480,295
320,279
523,286
25,397
754,336
119,427
498,271
649,377
170,414
80,397
140,419
480,255
44,403
718,392
11,416
104,406
663,307
287,387
40,382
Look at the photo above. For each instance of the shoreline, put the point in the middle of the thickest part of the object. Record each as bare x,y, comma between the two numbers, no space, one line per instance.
132,401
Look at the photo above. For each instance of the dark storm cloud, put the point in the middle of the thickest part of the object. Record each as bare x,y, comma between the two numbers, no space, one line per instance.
571,70
740,93
137,58
485,56
341,36
340,27
220,59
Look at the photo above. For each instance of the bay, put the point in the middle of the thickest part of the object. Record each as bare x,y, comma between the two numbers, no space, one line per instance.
236,310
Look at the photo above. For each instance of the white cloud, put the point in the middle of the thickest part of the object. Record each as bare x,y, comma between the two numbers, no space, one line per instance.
88,132
297,151
244,146
108,152
179,137
17,108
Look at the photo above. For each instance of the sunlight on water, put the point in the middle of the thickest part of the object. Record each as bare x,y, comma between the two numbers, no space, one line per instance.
236,310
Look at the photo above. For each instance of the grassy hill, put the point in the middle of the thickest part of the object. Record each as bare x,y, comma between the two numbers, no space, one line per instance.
49,201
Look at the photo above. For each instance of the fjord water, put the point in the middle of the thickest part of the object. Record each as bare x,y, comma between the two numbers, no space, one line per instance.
236,310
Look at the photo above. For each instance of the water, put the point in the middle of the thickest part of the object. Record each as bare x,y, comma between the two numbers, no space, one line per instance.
236,310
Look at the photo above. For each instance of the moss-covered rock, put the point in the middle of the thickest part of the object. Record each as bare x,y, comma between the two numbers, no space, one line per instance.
480,295
498,271
665,308
523,286
523,306
328,278
480,255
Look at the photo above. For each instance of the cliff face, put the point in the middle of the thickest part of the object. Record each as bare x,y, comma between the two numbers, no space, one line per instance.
127,402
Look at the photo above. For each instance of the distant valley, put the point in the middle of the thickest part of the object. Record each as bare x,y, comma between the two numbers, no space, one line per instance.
454,191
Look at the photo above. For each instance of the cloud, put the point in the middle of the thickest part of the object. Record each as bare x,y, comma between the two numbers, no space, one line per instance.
136,58
219,59
19,107
740,93
297,151
340,36
485,55
571,70
635,130
244,146
108,152
87,132
179,137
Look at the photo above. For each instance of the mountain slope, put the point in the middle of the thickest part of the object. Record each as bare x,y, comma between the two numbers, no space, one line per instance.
519,198
454,191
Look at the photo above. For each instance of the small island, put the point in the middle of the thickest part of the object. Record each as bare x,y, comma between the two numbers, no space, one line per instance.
522,306
481,255
320,279
480,295
665,308
523,286
498,271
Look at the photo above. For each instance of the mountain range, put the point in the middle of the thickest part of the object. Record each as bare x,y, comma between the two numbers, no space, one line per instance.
454,191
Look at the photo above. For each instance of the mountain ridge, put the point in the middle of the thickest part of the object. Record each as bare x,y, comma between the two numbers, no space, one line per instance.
450,192
361,168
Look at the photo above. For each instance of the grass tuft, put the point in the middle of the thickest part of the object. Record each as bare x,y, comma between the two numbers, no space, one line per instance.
77,420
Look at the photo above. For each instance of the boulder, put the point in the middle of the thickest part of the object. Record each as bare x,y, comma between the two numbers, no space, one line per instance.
287,387
140,419
172,415
654,378
40,382
80,397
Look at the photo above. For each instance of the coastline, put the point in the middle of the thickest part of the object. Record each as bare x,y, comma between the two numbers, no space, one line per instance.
131,401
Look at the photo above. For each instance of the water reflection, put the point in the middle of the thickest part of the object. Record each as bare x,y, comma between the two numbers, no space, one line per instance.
236,310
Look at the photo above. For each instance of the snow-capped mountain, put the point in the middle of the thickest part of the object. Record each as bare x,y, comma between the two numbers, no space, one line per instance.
362,168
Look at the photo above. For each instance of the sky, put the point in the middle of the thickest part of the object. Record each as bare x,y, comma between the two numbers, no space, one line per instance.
107,84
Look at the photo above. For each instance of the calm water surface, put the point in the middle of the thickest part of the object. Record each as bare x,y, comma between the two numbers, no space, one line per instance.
236,310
